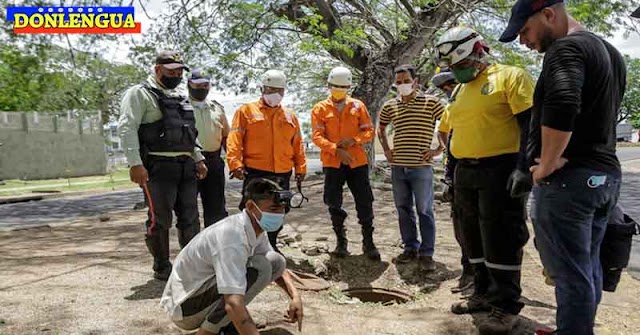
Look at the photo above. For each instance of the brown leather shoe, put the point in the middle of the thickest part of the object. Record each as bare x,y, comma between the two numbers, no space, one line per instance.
498,323
474,304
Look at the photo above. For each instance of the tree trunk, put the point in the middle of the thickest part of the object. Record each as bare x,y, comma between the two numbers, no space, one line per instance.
372,90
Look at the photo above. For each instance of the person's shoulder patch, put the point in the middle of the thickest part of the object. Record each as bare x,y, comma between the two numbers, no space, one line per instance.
487,88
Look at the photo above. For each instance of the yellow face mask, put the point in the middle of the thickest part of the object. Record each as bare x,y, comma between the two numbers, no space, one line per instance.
338,93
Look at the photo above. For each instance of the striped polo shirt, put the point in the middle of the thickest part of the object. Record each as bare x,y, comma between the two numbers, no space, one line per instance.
413,127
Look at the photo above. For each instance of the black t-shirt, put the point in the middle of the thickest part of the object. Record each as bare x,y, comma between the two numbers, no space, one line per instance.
580,90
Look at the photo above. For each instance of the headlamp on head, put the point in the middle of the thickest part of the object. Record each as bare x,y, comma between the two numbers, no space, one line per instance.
283,197
280,197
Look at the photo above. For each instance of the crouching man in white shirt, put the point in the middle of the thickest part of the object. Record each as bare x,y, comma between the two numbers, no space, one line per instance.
225,266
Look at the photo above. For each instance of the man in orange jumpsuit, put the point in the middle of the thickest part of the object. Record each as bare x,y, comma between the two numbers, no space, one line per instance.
341,125
265,140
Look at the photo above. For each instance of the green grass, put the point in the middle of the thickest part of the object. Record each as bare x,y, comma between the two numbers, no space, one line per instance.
117,180
628,144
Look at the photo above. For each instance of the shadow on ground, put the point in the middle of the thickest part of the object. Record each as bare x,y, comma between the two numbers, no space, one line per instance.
151,290
429,281
524,325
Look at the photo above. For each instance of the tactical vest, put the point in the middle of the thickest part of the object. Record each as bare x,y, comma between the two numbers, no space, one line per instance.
175,132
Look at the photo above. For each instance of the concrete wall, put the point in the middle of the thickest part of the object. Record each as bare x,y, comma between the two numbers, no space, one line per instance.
46,146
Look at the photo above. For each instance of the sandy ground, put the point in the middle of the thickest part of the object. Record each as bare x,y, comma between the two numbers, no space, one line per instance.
92,277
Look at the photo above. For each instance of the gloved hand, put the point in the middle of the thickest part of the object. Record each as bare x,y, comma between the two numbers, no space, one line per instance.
447,190
519,183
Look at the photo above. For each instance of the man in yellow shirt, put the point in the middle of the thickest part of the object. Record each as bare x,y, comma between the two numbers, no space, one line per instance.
490,113
213,129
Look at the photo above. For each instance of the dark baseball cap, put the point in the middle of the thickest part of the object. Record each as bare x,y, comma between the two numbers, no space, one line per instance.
171,60
636,13
520,13
199,76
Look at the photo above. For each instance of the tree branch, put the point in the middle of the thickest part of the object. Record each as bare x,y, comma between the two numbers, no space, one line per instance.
294,13
408,7
366,14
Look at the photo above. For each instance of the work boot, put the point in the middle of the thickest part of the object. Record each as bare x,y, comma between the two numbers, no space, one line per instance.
406,256
368,247
465,282
474,304
427,263
158,245
185,235
499,322
341,250
164,272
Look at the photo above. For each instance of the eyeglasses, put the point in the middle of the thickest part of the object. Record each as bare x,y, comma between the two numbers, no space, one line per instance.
297,199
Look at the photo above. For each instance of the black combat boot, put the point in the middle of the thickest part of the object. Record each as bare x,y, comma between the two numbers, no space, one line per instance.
158,245
341,250
368,247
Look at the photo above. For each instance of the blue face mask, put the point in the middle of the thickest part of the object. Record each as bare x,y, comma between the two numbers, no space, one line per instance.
270,222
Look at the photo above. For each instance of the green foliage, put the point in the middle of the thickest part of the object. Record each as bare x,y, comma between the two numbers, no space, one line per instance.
55,73
48,82
631,103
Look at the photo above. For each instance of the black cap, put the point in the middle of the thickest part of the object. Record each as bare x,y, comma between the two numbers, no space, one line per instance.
199,76
636,13
171,60
520,13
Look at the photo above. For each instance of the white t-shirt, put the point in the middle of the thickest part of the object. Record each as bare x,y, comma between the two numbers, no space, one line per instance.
221,251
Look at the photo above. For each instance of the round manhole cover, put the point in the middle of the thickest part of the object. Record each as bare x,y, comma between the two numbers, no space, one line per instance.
378,295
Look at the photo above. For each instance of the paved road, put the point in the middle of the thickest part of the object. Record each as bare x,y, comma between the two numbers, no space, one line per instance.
71,208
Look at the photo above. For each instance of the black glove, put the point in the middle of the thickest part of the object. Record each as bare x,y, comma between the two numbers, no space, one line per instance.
447,190
520,183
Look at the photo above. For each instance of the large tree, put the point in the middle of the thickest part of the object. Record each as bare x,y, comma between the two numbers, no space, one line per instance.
241,38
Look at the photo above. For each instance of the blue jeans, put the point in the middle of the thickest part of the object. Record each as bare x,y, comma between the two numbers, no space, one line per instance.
570,215
409,183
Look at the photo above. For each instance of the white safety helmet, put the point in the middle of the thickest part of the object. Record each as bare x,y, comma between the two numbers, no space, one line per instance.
340,76
274,78
456,44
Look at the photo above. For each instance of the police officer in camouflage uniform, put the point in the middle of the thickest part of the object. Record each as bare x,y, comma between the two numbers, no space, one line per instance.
158,133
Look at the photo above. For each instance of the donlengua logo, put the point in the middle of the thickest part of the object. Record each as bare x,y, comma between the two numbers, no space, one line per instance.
73,20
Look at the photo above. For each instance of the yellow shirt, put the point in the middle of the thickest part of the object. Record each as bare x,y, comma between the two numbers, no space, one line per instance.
483,112
212,124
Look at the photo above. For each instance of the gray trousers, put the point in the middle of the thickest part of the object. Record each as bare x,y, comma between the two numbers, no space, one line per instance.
206,308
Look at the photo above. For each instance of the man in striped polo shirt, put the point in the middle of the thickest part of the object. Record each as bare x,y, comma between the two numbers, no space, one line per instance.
413,115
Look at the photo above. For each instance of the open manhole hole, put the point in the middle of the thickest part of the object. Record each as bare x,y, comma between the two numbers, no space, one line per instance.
378,295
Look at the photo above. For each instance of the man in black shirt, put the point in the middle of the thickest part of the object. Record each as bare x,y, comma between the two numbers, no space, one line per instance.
572,151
